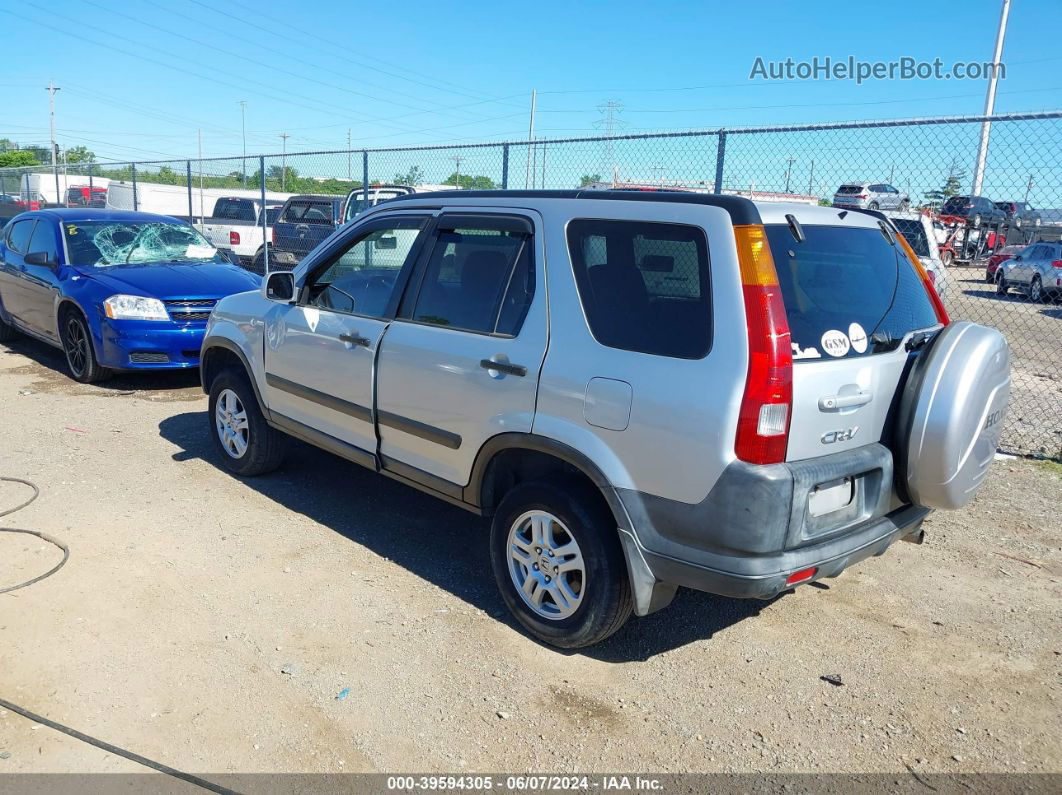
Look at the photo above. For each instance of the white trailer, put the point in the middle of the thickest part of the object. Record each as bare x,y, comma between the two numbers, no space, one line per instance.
40,187
153,197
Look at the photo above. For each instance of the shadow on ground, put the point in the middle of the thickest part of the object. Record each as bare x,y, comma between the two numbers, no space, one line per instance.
51,364
409,528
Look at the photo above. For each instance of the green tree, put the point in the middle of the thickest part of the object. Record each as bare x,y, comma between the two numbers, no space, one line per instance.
80,154
588,179
17,157
413,177
952,187
469,182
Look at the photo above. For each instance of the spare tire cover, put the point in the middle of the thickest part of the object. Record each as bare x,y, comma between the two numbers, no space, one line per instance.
951,414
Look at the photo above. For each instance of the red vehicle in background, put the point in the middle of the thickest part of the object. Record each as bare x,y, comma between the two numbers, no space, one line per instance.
1005,253
86,196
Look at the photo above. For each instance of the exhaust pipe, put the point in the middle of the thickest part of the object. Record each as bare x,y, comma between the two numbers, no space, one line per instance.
917,537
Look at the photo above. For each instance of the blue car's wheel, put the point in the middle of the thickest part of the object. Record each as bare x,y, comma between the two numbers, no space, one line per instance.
80,355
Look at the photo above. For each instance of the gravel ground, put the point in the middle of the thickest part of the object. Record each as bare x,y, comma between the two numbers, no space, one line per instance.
325,619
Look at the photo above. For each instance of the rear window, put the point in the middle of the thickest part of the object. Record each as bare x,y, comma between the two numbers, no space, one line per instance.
644,286
234,209
956,203
850,189
309,213
915,233
843,285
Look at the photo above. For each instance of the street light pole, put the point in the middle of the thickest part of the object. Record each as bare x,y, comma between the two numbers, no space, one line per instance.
990,102
243,126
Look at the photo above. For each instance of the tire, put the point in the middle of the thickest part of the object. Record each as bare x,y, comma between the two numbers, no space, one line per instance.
1036,291
80,353
258,263
873,206
946,257
1038,222
1001,284
905,205
976,220
1017,222
244,441
7,332
594,598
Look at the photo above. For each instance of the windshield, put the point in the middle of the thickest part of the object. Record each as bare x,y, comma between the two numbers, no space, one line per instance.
915,233
847,280
107,243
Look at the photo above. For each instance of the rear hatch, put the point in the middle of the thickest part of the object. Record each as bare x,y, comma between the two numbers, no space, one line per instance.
303,224
852,298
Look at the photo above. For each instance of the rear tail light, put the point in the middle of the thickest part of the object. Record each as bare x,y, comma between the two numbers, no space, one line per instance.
273,236
234,238
927,281
765,414
862,196
1057,263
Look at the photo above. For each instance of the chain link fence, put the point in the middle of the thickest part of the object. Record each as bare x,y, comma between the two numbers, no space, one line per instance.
999,245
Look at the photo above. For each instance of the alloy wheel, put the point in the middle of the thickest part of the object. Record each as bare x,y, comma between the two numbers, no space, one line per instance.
76,346
230,419
546,565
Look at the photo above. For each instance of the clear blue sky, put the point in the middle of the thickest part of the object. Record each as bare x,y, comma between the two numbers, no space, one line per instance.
139,79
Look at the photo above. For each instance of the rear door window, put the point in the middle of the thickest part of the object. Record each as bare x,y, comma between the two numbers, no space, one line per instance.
644,286
915,233
19,235
954,204
478,278
847,281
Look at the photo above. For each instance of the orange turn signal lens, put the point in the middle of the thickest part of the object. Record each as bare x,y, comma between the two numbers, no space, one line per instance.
754,256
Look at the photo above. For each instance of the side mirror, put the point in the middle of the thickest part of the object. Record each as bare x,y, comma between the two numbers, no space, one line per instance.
40,258
389,242
231,256
280,286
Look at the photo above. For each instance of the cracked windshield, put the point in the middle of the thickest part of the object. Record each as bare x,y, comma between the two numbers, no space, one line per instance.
107,243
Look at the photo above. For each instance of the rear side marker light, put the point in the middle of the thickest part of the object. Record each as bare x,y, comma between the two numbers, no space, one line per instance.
803,575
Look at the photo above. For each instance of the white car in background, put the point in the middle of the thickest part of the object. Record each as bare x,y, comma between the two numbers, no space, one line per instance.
919,232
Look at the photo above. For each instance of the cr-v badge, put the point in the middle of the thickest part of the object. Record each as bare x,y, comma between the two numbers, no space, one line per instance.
839,436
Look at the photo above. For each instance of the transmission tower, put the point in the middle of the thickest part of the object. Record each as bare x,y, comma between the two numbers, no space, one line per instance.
609,123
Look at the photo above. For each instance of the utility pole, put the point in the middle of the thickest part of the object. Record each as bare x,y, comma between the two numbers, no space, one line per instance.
990,102
457,162
1028,188
530,137
284,162
349,173
788,173
811,180
243,125
52,88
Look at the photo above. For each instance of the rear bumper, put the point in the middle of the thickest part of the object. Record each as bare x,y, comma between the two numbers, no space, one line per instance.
139,345
755,528
830,558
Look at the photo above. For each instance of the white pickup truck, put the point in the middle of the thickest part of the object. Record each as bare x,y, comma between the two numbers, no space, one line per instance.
236,226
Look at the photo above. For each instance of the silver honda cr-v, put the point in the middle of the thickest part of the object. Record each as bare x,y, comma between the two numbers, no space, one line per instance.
642,390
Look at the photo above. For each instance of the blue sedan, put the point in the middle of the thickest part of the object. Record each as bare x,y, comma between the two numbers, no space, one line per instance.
115,290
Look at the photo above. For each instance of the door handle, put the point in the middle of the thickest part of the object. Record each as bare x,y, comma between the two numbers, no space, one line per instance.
503,367
834,402
354,339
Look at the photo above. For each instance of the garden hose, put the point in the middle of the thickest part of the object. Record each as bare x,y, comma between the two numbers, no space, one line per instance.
43,536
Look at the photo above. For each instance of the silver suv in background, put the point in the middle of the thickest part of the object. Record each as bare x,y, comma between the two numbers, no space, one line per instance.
870,196
1036,271
697,391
